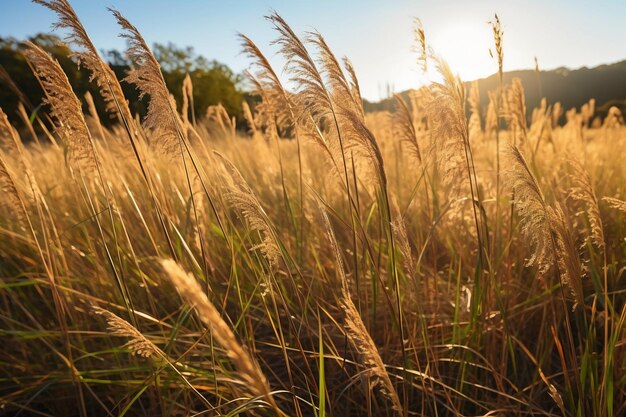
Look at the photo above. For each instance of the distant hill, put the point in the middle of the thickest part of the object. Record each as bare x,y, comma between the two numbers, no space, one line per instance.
573,88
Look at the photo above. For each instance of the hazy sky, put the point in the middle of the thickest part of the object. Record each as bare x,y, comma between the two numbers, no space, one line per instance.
376,35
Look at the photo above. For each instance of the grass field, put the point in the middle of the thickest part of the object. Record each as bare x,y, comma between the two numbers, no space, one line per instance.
441,260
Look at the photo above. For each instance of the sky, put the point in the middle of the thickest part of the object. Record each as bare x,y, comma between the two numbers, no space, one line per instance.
377,36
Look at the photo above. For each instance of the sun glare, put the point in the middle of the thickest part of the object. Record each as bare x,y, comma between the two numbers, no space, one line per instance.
466,48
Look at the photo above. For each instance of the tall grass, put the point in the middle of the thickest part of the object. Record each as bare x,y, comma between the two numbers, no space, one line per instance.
328,261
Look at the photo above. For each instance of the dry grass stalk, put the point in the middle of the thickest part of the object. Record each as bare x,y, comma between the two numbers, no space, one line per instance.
191,292
218,115
543,226
616,203
345,108
422,50
587,111
138,344
568,259
398,228
355,88
446,114
65,107
498,36
362,145
316,110
9,138
187,101
355,328
583,191
557,113
11,142
268,116
475,126
532,209
613,119
161,118
491,118
311,92
277,104
242,198
515,111
338,84
404,129
94,114
87,55
11,197
247,114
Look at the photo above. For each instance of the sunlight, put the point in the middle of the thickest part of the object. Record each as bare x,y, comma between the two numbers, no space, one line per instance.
465,47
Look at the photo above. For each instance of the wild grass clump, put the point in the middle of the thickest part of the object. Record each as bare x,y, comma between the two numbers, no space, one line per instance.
445,259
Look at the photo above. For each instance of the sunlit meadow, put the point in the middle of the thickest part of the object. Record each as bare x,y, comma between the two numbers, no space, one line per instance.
442,259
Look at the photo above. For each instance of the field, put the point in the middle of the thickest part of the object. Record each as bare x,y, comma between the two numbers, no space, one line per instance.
441,260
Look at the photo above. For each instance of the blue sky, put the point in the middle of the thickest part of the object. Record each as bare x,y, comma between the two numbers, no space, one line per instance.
376,35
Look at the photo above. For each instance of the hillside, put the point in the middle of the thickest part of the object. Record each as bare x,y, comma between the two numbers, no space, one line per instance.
605,83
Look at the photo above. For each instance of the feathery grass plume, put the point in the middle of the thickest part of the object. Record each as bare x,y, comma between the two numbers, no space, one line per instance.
567,254
188,101
363,343
613,119
532,209
557,112
583,191
94,114
355,328
539,113
11,142
540,120
276,103
161,118
334,75
498,36
616,203
362,142
587,111
9,138
491,118
218,115
191,292
446,114
543,226
313,99
87,56
422,50
355,88
515,111
404,128
330,148
311,91
247,114
475,125
65,107
138,344
279,108
11,197
398,229
242,198
268,111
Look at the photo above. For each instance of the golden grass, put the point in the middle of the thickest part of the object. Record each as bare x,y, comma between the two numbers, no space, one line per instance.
328,261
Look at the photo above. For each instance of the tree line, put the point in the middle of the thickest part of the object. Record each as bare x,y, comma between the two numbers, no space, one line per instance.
213,82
